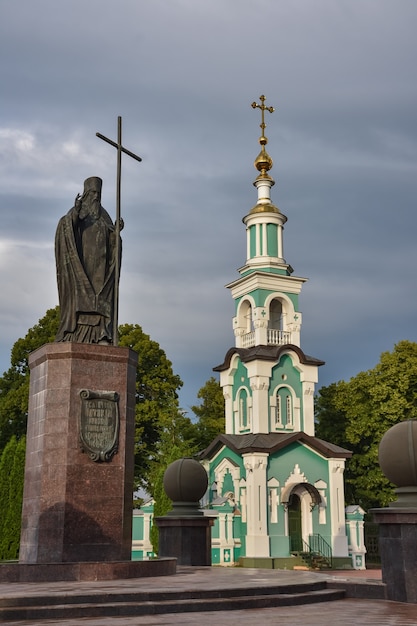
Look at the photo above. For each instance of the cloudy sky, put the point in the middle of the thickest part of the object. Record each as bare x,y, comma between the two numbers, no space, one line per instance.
182,74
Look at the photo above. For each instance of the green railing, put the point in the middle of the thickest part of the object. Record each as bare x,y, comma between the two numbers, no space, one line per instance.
319,546
317,552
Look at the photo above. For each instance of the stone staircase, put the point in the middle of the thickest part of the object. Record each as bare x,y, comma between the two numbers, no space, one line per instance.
117,604
315,561
316,553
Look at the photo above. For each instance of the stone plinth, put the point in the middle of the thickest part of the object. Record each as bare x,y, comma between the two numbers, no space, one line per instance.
398,549
188,539
76,509
84,571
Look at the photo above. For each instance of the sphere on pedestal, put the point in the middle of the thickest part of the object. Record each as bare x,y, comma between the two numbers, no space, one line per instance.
185,483
398,461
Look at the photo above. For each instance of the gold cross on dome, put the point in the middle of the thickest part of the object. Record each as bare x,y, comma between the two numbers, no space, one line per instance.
263,109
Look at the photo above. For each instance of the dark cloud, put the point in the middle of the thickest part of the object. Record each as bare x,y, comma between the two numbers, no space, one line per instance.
183,74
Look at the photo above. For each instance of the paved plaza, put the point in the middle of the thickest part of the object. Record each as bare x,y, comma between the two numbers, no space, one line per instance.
348,612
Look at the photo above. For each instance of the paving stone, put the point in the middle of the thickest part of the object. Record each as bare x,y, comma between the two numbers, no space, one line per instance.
348,612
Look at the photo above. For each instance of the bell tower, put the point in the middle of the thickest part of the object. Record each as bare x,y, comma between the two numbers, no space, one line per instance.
268,471
267,380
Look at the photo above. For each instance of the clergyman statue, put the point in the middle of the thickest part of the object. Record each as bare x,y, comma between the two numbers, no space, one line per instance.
85,251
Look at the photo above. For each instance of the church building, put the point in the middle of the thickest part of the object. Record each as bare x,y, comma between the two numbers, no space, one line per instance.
277,490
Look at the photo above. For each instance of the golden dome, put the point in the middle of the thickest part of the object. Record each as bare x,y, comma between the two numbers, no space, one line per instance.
264,208
263,162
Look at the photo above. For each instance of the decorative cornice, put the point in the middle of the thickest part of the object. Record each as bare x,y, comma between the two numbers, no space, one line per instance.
268,443
266,353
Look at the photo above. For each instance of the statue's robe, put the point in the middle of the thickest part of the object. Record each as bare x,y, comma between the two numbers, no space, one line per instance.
85,253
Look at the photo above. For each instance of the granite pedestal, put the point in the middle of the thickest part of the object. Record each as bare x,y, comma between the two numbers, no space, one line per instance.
74,508
185,533
398,549
188,539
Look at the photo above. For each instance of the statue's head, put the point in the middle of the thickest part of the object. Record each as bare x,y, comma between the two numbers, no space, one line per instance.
91,198
94,183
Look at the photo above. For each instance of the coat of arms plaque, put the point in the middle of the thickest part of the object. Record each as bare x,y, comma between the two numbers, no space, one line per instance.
99,424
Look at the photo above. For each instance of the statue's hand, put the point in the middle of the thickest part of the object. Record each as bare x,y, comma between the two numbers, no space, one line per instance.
77,202
121,224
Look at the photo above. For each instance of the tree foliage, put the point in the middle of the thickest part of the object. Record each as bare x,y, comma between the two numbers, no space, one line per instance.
156,396
156,388
14,384
12,470
210,413
356,414
176,442
6,464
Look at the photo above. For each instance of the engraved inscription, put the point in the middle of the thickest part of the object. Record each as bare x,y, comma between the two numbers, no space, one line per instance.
99,424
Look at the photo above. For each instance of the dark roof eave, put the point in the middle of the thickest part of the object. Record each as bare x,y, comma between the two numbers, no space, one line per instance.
265,353
272,442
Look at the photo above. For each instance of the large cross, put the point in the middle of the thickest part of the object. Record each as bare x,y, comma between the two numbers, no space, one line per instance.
120,149
263,109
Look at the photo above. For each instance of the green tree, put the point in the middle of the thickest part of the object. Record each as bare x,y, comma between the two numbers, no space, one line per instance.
156,396
12,470
156,387
330,419
6,464
356,414
14,384
176,441
210,413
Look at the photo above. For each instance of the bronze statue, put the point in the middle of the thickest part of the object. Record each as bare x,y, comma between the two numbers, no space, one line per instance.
86,251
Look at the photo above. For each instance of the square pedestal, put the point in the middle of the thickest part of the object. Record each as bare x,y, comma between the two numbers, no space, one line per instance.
75,508
398,549
186,538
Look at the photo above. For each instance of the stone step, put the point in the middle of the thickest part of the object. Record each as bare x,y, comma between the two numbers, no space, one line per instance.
118,605
159,596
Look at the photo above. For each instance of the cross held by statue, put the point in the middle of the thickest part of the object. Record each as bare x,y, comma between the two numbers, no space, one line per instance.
120,149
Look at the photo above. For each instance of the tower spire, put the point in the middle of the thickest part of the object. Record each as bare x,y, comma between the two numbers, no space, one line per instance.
263,161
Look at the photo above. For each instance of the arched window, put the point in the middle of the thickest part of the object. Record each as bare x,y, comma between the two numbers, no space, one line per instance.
243,409
275,317
245,316
278,410
284,408
288,410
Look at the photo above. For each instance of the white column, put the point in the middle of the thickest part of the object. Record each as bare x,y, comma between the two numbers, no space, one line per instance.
260,324
337,507
147,523
247,243
243,504
228,408
257,539
260,412
280,242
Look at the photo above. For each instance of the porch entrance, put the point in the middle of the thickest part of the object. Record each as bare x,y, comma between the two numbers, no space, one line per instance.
294,523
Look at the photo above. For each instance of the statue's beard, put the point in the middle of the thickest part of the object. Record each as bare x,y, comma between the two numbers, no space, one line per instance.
91,208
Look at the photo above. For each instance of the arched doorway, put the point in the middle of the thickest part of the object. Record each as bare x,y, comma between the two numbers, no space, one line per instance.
299,499
294,523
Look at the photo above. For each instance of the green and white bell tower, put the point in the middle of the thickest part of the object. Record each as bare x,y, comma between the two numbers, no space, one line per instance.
275,487
267,325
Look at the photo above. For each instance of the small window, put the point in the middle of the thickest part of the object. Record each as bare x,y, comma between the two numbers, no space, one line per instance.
276,315
278,410
284,408
288,403
243,409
